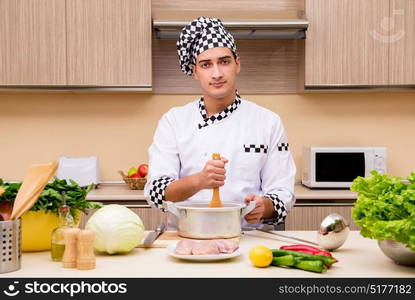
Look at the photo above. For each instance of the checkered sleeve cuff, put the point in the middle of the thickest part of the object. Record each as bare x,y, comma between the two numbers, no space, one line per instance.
157,190
279,207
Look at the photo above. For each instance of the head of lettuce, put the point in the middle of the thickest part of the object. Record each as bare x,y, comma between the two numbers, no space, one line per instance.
117,229
385,207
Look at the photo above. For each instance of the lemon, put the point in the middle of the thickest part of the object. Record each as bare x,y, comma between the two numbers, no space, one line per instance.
260,256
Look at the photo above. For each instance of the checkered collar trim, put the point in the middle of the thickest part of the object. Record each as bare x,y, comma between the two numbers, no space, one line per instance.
219,116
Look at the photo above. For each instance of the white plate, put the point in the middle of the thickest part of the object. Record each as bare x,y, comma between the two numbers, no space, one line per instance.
204,257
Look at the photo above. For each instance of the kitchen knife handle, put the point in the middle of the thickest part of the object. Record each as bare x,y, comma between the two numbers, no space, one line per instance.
160,228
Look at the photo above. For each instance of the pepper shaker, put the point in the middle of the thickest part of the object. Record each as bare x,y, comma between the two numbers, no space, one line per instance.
70,253
86,256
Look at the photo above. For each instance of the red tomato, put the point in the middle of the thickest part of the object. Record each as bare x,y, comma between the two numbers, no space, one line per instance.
143,170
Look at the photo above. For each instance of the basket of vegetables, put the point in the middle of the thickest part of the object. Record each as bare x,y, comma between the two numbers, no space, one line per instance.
39,222
385,211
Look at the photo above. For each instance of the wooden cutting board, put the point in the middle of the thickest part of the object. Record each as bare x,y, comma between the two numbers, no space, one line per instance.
167,238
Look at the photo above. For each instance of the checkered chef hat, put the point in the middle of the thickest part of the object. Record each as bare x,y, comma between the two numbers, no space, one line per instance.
199,35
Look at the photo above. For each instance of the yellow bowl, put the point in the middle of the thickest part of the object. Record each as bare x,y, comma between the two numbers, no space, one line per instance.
37,227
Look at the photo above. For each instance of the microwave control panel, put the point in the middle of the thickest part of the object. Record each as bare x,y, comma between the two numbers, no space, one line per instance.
380,160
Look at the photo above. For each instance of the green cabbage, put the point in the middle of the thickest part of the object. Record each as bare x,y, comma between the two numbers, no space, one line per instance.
117,228
385,207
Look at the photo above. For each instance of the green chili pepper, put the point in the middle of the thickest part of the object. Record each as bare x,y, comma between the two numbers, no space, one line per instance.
328,261
286,260
311,265
299,263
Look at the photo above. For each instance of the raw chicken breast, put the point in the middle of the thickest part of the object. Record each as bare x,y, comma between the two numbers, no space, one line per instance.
206,247
227,246
184,247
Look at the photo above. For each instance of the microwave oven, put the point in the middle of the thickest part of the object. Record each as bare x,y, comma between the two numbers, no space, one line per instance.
337,167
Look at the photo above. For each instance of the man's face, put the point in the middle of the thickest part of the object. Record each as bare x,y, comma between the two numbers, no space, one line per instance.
216,70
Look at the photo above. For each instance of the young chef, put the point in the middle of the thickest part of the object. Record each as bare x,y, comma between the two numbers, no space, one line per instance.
256,162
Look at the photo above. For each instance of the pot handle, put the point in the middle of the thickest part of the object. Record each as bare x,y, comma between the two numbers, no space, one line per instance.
171,208
248,209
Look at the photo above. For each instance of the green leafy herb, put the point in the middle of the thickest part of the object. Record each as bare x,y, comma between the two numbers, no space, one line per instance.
385,207
51,197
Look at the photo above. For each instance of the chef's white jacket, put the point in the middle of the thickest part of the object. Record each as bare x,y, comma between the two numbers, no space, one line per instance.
251,137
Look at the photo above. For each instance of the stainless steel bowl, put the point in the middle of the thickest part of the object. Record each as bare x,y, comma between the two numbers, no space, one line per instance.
203,222
398,252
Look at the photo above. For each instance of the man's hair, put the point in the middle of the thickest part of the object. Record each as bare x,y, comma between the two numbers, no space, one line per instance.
234,55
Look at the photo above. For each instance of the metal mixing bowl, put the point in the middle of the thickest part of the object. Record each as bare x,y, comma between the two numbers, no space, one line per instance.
398,252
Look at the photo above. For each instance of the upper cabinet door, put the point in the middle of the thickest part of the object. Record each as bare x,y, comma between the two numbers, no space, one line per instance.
346,44
109,43
32,42
402,42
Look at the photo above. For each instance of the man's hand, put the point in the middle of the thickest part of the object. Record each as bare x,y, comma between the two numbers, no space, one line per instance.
213,174
263,208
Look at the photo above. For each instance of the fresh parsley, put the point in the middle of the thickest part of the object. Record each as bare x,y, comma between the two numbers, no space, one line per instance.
51,197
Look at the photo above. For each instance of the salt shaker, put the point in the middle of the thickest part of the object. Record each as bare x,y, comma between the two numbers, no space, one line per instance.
86,256
70,253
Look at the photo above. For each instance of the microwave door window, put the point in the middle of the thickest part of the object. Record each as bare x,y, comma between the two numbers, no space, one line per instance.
339,166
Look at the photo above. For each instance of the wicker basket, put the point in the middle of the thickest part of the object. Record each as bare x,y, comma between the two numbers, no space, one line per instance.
134,183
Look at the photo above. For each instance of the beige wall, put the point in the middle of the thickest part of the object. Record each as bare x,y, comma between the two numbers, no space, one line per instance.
118,128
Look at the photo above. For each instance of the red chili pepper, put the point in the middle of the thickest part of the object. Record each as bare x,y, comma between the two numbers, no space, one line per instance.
306,249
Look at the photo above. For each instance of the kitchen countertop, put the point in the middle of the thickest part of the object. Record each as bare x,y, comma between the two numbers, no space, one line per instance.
358,257
114,192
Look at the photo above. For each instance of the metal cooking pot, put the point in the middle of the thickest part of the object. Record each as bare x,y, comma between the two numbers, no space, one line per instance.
200,221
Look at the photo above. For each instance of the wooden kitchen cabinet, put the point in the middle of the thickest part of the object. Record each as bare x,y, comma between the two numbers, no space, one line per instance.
98,43
344,45
109,43
151,217
32,42
309,217
402,42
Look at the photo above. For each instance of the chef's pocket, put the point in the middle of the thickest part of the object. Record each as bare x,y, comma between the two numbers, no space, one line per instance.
253,158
